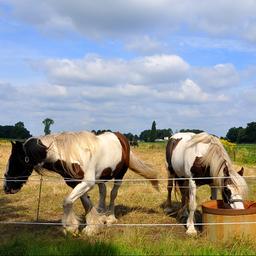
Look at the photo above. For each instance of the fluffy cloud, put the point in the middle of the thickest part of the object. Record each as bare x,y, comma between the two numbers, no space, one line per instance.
220,76
146,45
163,76
157,77
97,19
95,70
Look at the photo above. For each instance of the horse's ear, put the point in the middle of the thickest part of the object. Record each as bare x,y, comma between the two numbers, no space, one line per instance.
241,172
225,171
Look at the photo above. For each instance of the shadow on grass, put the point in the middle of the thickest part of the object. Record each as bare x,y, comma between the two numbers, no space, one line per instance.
9,211
181,214
122,210
31,244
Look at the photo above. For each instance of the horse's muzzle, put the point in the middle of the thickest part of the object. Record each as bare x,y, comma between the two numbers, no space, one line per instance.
8,190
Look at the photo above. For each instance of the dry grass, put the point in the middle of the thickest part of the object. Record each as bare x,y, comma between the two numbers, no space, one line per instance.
136,203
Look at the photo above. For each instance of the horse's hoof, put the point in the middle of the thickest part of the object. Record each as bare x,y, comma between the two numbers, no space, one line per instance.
170,211
101,210
91,230
71,232
111,219
191,231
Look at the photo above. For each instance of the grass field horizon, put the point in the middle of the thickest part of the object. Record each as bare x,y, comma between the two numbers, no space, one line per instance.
137,202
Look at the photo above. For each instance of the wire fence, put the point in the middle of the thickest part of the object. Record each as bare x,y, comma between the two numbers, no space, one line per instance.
130,224
54,179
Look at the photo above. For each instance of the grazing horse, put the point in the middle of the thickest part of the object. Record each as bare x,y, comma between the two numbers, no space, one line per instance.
83,156
190,156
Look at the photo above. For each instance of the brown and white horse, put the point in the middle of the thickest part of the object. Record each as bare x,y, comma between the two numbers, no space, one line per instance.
82,156
191,157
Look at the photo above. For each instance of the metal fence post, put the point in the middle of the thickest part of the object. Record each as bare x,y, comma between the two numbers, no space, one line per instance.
39,198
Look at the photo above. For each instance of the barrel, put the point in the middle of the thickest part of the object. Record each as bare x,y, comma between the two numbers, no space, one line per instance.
222,224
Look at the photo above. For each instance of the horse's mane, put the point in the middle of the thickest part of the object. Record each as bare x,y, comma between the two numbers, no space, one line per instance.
71,147
217,158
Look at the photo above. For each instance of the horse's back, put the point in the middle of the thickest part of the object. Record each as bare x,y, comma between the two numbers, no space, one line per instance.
183,156
110,151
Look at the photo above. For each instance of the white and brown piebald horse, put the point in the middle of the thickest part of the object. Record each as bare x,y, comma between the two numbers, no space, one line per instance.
83,156
191,156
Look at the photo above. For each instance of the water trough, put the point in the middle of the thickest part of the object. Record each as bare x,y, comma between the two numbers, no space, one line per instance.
222,224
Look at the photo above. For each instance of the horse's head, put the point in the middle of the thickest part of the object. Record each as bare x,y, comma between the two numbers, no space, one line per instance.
19,168
234,188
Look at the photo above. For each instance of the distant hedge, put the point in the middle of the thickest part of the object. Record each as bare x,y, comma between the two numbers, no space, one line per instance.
242,135
17,131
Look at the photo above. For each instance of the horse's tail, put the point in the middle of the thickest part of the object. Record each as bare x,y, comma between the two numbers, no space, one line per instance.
143,169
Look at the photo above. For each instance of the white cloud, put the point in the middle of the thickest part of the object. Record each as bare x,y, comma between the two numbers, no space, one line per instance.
146,45
250,96
190,90
94,70
166,77
97,19
220,76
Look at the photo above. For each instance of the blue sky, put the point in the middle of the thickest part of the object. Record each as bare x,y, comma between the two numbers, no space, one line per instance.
120,65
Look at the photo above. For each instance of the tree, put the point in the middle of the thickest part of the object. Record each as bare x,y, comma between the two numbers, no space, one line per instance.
191,130
242,137
129,136
232,134
145,135
47,123
160,134
153,132
163,133
250,132
17,131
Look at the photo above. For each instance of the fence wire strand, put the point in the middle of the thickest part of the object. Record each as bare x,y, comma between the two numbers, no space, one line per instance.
128,224
139,181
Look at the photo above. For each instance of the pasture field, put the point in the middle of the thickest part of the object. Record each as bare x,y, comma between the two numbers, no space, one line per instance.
137,202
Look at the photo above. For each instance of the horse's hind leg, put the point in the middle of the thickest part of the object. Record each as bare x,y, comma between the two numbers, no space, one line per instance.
168,204
102,201
111,218
182,214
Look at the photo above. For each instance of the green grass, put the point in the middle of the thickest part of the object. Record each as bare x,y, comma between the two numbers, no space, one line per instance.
153,145
139,244
136,204
29,245
243,153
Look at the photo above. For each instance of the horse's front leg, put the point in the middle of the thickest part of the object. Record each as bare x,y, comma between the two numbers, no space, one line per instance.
70,220
192,208
86,202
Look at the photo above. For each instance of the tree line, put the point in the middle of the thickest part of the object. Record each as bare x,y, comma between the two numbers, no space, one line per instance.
234,134
242,135
17,131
